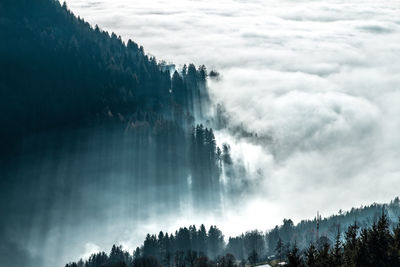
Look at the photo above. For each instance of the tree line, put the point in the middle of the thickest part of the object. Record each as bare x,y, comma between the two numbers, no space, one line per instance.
378,245
60,74
359,244
57,71
305,231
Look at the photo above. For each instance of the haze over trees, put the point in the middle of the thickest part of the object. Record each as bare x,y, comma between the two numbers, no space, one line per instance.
93,126
65,73
362,243
67,78
96,131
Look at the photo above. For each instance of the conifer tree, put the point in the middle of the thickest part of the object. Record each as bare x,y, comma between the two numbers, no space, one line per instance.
337,250
279,249
311,256
294,257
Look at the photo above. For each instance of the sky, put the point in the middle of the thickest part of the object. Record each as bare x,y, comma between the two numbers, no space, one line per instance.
316,80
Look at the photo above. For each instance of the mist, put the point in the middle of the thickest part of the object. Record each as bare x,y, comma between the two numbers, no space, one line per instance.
315,83
72,193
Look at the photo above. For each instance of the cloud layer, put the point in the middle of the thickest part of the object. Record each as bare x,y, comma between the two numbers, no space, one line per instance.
319,79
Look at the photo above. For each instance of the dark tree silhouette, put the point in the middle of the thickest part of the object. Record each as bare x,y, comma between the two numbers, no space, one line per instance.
294,257
376,245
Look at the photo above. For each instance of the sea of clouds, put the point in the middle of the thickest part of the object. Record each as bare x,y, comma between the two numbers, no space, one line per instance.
318,81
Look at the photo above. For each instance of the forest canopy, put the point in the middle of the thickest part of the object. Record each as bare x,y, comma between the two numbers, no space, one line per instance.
359,243
59,71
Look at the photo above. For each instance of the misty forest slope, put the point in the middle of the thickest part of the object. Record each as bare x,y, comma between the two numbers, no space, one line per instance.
65,84
95,129
58,71
366,236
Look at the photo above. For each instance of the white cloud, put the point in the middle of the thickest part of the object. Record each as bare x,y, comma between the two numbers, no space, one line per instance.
321,78
90,248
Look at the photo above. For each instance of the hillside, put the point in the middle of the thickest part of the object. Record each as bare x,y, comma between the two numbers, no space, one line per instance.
85,119
365,235
59,71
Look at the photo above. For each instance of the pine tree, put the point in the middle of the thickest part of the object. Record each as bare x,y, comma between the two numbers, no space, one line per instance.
294,257
395,246
279,249
337,250
253,257
323,256
351,247
226,154
202,239
378,242
311,256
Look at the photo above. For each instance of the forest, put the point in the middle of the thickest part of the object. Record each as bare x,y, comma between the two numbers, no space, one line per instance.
373,239
76,75
80,82
86,117
95,131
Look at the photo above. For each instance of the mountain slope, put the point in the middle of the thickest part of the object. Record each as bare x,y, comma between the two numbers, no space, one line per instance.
190,246
58,71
